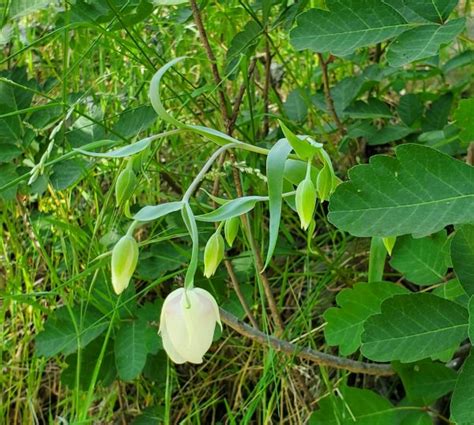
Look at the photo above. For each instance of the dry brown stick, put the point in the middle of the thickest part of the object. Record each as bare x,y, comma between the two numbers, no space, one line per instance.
212,59
240,295
239,98
327,95
306,353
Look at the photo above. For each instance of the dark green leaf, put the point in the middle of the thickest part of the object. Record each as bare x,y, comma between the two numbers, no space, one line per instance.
373,108
464,116
243,43
67,331
419,192
462,256
295,107
422,42
436,117
413,327
423,261
347,25
154,415
133,121
7,174
345,324
433,10
67,173
356,406
463,395
8,152
425,381
88,360
131,349
159,259
453,291
389,133
410,108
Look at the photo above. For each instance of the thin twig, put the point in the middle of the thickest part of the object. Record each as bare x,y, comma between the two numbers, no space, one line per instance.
240,295
327,95
266,87
306,353
212,59
239,98
258,258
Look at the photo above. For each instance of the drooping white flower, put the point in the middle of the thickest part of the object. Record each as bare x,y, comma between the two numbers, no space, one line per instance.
187,324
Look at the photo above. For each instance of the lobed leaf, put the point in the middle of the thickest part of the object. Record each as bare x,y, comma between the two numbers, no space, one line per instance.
419,192
413,327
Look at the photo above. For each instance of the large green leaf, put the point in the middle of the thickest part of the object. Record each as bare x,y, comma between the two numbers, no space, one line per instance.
66,331
348,25
420,191
413,327
423,261
462,256
463,395
425,381
422,42
355,406
345,323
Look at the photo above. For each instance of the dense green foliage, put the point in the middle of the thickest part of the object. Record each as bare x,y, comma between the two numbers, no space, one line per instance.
204,131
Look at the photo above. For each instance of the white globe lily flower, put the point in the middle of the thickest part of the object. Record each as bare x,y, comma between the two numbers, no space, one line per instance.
187,324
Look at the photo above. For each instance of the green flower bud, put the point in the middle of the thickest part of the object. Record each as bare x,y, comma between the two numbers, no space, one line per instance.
231,228
125,186
213,253
124,261
324,183
305,202
389,243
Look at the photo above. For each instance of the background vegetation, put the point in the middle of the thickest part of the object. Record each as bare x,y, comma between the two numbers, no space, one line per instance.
78,72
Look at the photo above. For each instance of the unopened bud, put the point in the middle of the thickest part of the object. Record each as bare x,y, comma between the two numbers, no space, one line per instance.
324,183
305,202
389,243
125,186
213,253
124,261
231,228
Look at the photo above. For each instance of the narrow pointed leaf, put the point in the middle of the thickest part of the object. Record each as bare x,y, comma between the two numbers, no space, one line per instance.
275,171
232,208
123,152
154,212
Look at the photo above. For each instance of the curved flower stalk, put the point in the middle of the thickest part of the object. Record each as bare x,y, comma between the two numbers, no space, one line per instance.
187,324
